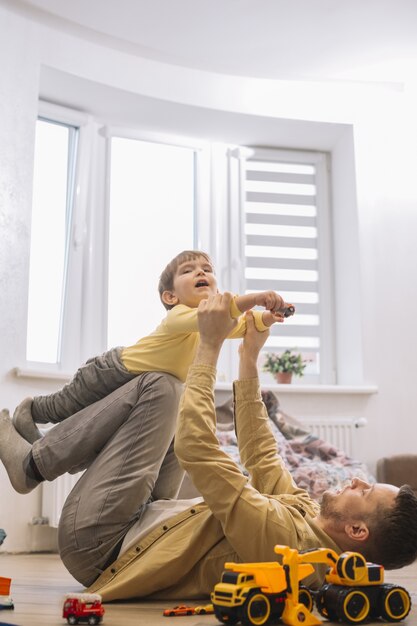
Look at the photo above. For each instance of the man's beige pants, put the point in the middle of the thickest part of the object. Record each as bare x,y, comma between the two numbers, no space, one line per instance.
125,443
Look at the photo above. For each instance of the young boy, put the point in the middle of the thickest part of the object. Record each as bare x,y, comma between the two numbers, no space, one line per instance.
187,279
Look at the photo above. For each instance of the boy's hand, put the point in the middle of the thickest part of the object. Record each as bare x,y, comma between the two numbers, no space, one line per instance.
273,302
250,348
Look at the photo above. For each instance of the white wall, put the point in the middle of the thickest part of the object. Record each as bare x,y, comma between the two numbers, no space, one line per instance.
386,164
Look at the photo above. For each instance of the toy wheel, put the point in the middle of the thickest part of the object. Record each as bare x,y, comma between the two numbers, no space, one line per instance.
323,609
354,607
225,618
93,619
71,619
305,597
202,612
189,612
396,604
256,610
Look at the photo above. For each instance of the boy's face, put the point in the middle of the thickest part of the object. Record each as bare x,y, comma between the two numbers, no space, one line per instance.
194,281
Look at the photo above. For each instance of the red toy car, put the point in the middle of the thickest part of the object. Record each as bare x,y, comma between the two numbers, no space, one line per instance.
83,607
181,609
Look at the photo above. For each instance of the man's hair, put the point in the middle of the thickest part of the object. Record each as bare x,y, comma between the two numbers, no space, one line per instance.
166,280
393,532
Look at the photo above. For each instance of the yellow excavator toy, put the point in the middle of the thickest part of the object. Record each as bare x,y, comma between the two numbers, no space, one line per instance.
270,593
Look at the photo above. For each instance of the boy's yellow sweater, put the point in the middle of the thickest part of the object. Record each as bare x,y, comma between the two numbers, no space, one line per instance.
172,345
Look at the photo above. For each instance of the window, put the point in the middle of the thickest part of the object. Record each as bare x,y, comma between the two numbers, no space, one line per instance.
285,246
111,207
53,193
109,212
58,238
152,218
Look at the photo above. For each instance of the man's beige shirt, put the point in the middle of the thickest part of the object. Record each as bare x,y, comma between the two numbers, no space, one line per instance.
241,518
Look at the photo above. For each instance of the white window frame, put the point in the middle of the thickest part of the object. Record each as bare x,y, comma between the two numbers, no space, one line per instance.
202,227
84,328
84,317
236,246
69,347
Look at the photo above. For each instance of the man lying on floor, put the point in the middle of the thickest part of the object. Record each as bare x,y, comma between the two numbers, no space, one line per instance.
124,535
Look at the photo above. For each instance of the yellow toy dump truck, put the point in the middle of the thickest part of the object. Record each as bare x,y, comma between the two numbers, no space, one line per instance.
267,593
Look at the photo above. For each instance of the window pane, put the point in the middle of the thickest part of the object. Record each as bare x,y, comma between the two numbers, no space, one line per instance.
151,220
54,156
282,249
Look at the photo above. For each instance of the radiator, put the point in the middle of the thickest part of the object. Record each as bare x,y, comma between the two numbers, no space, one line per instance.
54,495
339,431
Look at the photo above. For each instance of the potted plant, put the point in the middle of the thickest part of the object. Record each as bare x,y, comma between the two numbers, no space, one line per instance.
283,366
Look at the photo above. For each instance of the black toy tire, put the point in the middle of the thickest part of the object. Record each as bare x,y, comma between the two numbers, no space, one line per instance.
395,604
323,609
354,607
306,597
225,618
257,610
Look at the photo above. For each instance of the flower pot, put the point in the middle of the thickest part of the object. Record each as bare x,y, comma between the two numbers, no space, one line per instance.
283,377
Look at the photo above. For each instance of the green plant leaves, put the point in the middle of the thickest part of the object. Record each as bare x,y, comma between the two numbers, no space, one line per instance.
287,361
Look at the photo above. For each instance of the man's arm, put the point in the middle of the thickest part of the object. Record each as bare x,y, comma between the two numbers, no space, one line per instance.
213,472
252,522
257,444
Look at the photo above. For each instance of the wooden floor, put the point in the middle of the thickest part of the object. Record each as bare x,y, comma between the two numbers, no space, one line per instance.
40,581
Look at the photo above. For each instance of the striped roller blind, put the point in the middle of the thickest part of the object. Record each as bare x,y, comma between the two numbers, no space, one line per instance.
281,216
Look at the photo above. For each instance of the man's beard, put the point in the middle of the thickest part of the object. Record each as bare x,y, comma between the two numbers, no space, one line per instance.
327,507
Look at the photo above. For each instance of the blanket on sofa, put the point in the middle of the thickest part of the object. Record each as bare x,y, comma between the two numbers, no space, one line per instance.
315,464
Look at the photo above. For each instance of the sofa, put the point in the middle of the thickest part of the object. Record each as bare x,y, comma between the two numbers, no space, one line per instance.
399,469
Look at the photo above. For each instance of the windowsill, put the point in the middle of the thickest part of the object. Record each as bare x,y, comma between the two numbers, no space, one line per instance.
45,374
28,372
310,389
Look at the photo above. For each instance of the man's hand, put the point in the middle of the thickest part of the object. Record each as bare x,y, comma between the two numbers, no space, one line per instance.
215,324
250,348
269,318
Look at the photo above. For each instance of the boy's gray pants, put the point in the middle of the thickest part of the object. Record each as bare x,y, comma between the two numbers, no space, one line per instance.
125,441
94,380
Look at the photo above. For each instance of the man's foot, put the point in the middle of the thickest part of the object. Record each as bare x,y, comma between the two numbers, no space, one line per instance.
23,421
14,453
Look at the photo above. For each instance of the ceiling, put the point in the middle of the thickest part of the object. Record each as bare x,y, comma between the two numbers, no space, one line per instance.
359,40
121,108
